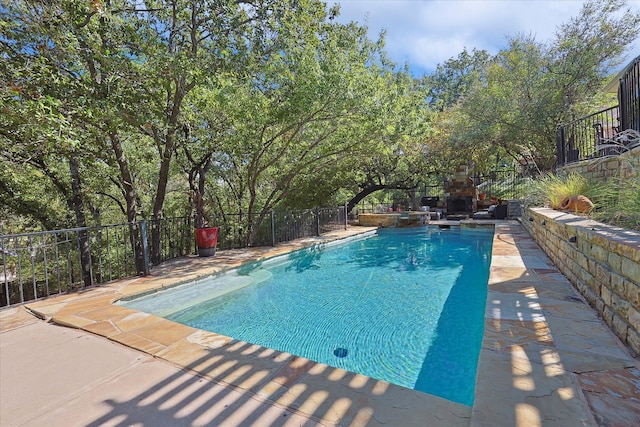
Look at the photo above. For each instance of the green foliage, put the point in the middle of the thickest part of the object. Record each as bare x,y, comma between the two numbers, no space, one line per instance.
454,79
616,201
619,197
517,98
115,111
551,189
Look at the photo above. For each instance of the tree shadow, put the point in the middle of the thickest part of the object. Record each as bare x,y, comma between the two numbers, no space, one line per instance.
247,385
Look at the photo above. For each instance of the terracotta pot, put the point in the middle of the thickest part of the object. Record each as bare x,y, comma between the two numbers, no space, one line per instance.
579,204
482,196
206,241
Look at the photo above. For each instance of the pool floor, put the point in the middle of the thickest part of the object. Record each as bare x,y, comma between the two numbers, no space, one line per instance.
404,306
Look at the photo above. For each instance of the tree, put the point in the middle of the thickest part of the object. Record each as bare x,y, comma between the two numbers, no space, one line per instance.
525,91
118,72
453,79
399,155
297,116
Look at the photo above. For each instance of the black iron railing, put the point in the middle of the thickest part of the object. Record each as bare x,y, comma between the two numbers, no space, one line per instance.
277,227
591,136
581,139
629,97
503,183
42,264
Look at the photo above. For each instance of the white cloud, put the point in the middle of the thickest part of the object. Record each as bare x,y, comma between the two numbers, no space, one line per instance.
425,33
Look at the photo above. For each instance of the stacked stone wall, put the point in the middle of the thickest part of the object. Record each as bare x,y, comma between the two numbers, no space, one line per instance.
604,169
602,262
514,209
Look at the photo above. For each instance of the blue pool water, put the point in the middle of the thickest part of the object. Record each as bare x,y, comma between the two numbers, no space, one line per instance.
404,306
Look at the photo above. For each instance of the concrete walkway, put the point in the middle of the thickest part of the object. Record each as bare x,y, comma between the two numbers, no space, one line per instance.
57,376
546,360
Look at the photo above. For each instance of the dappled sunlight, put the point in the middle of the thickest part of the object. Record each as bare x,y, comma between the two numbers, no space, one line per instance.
338,375
527,415
525,383
318,369
254,380
551,362
199,395
519,306
314,401
525,293
178,387
296,391
267,352
208,364
227,367
251,349
358,381
380,388
566,393
520,362
181,399
338,408
236,346
363,417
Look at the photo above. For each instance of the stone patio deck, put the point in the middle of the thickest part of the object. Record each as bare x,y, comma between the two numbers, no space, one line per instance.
546,358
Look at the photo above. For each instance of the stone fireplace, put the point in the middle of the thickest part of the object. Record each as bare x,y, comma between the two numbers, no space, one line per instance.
461,194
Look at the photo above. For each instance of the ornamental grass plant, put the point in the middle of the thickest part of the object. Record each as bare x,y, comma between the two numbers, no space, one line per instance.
551,189
616,200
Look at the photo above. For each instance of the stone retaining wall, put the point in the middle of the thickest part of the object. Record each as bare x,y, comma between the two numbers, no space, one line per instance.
601,261
514,209
603,169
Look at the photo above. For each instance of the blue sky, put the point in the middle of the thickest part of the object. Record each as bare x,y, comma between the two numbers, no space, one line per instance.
425,33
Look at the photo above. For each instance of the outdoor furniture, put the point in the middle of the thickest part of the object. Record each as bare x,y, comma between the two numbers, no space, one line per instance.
486,214
431,201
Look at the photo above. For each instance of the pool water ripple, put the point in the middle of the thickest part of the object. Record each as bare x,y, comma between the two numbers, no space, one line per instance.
405,306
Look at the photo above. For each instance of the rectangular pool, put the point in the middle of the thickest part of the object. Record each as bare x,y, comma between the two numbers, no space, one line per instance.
403,305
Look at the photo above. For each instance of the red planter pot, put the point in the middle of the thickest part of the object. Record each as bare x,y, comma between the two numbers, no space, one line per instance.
207,240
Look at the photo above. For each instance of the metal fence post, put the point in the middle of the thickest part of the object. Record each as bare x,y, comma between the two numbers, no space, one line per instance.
273,229
346,220
145,246
317,221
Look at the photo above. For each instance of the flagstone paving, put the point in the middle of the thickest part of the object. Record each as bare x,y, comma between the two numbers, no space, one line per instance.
546,358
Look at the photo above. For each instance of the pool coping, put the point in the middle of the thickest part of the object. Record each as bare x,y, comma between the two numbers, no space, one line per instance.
546,357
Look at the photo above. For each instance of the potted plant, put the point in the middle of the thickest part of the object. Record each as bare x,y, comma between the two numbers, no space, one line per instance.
206,240
206,236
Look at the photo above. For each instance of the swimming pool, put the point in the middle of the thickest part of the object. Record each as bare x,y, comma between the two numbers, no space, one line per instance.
405,306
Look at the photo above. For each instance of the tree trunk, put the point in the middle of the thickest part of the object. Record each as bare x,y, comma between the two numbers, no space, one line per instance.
132,201
168,146
81,222
362,194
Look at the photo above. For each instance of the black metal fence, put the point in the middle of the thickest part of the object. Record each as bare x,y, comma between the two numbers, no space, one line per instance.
589,137
503,183
582,139
629,97
37,265
41,264
242,230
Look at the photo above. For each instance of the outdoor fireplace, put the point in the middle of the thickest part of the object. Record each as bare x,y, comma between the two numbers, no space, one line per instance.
461,194
460,204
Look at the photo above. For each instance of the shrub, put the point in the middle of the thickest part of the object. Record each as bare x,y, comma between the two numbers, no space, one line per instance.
551,189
